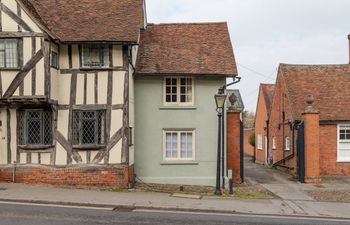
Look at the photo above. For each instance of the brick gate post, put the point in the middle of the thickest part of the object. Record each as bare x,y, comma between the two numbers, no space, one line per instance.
311,118
234,143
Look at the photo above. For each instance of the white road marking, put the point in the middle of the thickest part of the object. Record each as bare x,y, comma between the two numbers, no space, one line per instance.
244,215
56,205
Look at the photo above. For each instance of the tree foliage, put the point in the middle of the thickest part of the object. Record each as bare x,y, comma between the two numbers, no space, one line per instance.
252,139
248,119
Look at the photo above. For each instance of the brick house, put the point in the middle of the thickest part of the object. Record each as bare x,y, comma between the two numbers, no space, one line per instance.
327,121
261,122
249,150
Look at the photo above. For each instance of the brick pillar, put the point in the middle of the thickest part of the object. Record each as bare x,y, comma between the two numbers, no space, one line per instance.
234,144
312,143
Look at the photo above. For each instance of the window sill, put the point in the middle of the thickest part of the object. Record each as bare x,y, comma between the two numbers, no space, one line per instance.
35,147
287,150
180,162
343,161
10,69
88,147
177,107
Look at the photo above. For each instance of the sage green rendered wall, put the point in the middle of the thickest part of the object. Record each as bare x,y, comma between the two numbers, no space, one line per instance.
152,117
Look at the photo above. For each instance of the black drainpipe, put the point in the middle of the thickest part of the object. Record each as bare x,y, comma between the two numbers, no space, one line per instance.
267,140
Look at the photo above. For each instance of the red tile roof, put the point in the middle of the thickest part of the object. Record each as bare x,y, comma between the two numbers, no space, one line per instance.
89,20
268,90
329,84
192,48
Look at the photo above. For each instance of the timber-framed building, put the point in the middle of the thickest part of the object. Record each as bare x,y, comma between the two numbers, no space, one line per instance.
66,95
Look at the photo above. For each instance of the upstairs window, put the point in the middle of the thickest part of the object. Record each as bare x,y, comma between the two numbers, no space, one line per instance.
8,53
179,91
35,127
343,143
89,127
95,56
54,60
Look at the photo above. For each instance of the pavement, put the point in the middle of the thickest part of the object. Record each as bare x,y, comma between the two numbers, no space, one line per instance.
292,197
162,201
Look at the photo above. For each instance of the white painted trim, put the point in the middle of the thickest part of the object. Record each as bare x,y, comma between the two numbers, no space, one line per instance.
273,142
340,160
286,144
178,86
179,131
260,143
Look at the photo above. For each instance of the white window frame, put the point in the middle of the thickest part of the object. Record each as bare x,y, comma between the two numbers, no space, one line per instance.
340,159
178,92
178,158
260,142
287,143
273,142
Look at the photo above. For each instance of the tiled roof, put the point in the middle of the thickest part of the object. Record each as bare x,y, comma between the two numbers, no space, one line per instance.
239,103
268,90
192,48
89,20
329,84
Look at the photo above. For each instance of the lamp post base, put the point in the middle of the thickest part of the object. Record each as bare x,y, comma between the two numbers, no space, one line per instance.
217,192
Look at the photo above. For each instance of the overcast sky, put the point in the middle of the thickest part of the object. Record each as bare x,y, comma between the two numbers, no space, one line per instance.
265,33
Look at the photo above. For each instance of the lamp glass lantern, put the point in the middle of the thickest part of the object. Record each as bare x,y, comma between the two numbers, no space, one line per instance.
220,100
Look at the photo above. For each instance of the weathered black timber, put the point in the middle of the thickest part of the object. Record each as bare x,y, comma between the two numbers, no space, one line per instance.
34,68
72,100
8,126
126,133
21,75
70,59
54,141
45,46
20,62
109,111
19,34
15,17
96,88
67,146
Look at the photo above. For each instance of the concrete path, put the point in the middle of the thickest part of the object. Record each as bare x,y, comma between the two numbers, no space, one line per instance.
151,200
281,184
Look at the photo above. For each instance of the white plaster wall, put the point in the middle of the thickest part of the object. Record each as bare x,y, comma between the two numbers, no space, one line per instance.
117,121
45,158
62,122
8,24
61,155
35,158
83,155
117,55
64,82
90,95
115,154
30,22
102,87
64,61
23,158
118,87
40,78
80,89
6,79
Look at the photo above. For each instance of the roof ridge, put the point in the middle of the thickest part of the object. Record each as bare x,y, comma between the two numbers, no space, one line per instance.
313,65
186,23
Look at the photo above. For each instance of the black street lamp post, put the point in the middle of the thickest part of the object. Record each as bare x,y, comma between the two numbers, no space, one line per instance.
220,102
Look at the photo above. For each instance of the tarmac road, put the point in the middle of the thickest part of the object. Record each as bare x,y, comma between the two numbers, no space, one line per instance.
34,214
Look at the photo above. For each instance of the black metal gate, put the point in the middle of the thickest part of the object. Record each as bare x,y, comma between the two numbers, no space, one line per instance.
301,153
242,150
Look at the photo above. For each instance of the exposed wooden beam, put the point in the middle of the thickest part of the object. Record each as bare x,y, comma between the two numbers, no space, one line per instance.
8,131
20,34
34,67
15,17
67,146
21,75
112,142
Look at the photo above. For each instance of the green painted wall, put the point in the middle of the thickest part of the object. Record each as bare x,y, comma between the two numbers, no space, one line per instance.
151,118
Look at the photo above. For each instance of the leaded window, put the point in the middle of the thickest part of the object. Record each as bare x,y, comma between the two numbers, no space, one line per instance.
35,127
8,53
54,60
89,127
95,56
179,91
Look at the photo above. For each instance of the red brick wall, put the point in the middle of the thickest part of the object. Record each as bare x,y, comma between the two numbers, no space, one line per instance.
260,124
234,145
279,128
248,149
328,153
101,176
